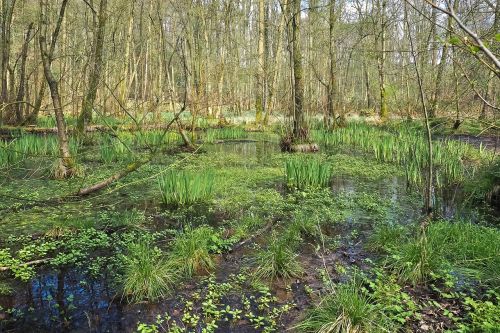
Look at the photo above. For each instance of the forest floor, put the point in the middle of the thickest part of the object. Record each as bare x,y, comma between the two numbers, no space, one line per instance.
337,234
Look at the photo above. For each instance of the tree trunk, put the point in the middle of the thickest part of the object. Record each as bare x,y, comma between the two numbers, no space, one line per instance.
300,132
22,76
66,165
7,11
95,74
332,83
261,70
384,112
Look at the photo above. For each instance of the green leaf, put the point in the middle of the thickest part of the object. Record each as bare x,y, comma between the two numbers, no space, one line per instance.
474,48
497,37
455,40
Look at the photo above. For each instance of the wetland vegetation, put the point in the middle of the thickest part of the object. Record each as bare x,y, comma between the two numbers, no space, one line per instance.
317,166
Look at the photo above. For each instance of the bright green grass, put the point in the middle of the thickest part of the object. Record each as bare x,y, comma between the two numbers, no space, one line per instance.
345,310
453,161
148,275
191,250
278,260
225,133
462,247
181,187
303,172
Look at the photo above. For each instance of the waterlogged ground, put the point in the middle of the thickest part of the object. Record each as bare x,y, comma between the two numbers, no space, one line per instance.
250,206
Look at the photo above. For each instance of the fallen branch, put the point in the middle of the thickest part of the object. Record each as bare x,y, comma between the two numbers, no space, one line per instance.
252,237
96,187
29,263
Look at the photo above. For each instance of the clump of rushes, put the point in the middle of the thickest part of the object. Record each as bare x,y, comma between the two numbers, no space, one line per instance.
191,250
225,133
305,172
345,310
278,260
148,275
181,187
385,237
408,147
458,246
112,150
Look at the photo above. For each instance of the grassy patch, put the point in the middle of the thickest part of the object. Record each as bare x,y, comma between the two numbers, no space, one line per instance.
180,187
462,247
306,172
225,133
147,273
346,310
192,250
278,260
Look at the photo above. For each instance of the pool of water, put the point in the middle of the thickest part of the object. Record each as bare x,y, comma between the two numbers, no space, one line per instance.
68,301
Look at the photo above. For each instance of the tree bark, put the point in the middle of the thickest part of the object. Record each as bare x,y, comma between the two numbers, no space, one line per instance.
7,12
384,112
300,132
66,165
22,76
332,83
95,74
260,102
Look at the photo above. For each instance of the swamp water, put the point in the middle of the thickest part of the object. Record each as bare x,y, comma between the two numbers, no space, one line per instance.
69,301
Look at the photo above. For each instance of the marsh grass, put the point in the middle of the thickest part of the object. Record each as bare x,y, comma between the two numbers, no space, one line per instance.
33,146
225,133
182,187
386,237
469,249
155,139
112,149
305,172
148,275
454,161
191,250
278,260
345,310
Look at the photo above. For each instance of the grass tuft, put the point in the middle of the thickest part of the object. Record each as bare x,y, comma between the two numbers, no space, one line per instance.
181,187
304,172
278,260
346,310
191,250
148,275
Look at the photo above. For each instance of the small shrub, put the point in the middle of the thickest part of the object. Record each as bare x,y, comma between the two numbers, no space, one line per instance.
305,172
147,273
185,187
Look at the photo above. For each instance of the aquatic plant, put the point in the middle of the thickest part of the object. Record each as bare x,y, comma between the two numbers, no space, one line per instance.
454,161
470,249
192,250
147,272
182,187
33,146
277,260
345,310
224,133
157,138
112,149
305,172
386,236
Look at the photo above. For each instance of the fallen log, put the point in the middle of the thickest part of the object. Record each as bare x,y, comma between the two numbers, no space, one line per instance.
29,263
